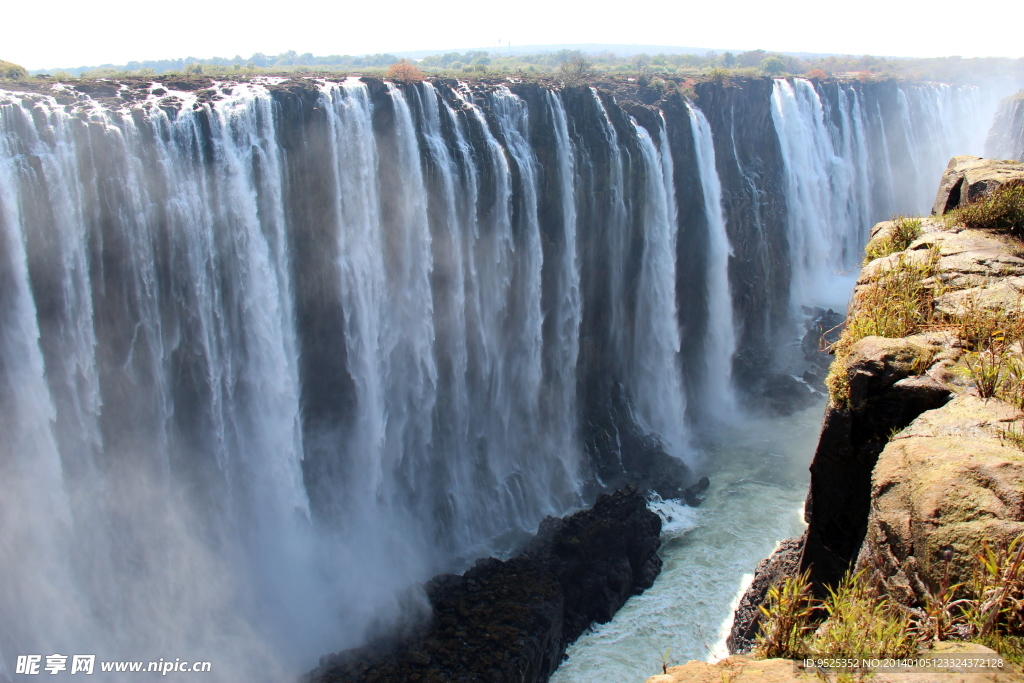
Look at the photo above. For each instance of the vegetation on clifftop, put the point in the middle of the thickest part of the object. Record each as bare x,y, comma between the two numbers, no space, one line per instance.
858,619
12,71
640,67
1002,211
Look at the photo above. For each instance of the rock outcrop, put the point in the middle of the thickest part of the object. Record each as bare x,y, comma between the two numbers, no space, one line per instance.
912,462
967,179
948,481
744,669
1006,138
512,620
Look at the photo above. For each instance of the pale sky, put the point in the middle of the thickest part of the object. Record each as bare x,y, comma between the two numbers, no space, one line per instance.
61,33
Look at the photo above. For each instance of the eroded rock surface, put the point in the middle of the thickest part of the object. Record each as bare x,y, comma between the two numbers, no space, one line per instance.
949,480
967,179
512,620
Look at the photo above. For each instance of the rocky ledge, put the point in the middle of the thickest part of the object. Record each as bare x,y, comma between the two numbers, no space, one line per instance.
744,669
913,464
512,620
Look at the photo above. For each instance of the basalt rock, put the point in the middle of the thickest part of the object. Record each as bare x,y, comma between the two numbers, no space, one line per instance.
512,620
1006,138
771,571
967,179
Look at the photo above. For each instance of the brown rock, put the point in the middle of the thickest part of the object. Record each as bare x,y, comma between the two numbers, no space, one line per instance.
967,179
947,479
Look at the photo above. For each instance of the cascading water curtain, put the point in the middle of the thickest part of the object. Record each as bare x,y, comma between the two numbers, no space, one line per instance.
855,156
168,476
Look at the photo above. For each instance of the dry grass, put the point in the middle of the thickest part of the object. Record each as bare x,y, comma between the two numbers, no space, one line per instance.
1002,210
858,618
786,619
904,231
862,623
898,303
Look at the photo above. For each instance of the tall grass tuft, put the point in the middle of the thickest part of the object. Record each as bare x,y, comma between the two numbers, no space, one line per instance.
786,618
1002,210
862,622
902,234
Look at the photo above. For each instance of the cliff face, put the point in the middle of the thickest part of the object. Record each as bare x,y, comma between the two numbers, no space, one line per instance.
912,462
1006,138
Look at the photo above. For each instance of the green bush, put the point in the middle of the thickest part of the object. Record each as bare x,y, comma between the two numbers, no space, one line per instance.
773,66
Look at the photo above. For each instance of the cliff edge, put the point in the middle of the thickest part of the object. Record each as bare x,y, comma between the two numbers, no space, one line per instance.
921,458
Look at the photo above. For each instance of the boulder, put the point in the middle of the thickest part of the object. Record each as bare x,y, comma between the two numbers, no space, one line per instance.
967,179
948,479
512,620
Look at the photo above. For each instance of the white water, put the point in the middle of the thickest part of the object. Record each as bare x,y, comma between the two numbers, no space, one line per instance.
832,196
658,384
759,479
721,336
169,487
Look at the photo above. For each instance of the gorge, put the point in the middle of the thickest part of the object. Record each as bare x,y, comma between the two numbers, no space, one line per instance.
274,351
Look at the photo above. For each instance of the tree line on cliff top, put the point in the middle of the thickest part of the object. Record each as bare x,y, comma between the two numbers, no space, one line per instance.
600,65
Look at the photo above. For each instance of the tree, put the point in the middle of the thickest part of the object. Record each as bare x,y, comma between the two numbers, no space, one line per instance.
772,66
575,71
404,72
751,57
816,73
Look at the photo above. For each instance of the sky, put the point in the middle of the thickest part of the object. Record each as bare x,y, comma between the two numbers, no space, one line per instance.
62,33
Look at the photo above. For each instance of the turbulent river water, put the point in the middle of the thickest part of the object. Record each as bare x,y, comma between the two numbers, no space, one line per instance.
758,484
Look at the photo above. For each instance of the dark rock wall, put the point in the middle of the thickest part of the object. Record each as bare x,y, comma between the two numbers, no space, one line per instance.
1006,138
512,621
750,167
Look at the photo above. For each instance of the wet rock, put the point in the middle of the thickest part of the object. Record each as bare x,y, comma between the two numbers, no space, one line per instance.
512,620
783,563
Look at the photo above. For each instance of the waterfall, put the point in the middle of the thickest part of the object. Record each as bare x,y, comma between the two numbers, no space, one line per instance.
657,382
829,141
720,341
272,353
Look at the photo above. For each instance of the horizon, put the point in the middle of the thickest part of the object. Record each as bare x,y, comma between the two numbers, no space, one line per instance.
914,29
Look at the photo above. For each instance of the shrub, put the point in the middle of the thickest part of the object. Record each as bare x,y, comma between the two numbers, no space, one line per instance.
12,71
1002,210
816,73
404,72
575,71
718,75
861,622
772,66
